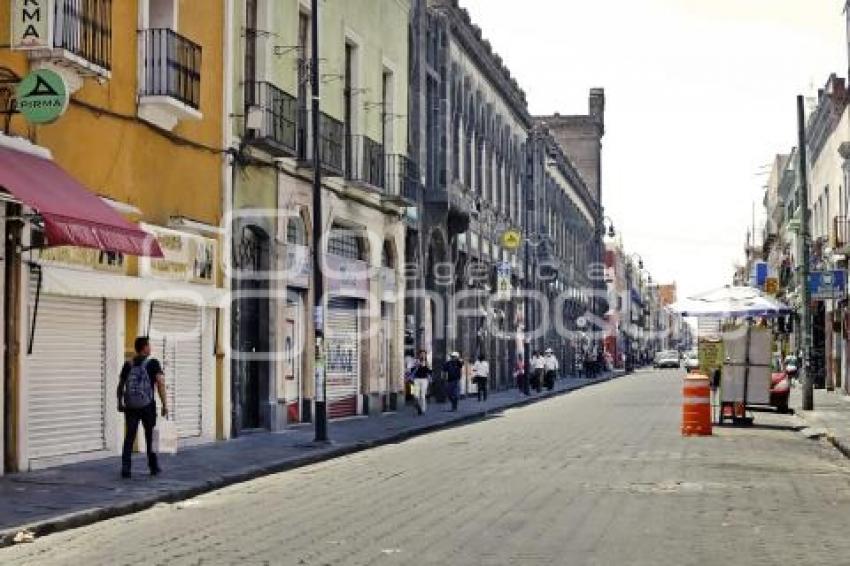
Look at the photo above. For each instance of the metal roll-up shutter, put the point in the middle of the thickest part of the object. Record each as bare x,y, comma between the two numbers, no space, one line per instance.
66,376
343,357
176,338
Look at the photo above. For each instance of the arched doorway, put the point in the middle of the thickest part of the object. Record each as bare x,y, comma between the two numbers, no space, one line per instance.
251,330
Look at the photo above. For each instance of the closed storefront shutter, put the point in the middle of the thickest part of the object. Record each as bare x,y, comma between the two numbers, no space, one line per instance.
65,377
343,357
176,339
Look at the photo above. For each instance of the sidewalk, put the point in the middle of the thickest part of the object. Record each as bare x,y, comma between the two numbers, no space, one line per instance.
830,418
70,496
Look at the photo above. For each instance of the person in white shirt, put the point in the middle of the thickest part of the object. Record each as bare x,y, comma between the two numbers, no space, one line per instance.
481,376
550,365
538,366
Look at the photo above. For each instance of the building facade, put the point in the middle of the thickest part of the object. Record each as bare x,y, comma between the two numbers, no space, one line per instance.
363,153
142,133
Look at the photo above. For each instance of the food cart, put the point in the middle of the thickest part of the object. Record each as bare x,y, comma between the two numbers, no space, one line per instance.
746,345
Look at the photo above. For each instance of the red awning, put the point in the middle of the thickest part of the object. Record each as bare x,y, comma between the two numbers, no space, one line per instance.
72,215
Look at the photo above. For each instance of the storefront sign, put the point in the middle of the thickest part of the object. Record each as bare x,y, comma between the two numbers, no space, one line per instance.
299,266
42,96
30,24
828,284
187,257
347,277
91,259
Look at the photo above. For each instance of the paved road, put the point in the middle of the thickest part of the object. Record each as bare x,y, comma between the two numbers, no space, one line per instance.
600,476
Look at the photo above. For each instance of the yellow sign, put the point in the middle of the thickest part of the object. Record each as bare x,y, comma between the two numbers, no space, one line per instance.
710,355
771,285
511,239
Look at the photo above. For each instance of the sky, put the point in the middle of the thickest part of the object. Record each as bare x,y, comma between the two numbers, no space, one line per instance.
701,95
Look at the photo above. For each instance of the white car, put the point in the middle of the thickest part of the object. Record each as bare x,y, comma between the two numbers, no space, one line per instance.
668,359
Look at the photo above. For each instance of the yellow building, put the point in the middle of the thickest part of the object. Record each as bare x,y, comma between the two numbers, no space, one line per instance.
144,131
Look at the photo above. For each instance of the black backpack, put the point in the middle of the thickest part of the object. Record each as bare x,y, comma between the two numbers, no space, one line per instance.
138,389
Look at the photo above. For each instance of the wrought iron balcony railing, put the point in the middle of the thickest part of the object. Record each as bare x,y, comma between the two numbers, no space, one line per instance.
279,117
170,66
402,177
84,29
365,161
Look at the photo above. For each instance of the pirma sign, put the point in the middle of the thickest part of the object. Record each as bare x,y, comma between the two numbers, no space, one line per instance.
42,96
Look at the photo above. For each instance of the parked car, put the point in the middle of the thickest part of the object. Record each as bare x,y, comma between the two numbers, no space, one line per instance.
667,359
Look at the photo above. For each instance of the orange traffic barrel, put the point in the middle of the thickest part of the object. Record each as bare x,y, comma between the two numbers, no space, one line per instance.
696,406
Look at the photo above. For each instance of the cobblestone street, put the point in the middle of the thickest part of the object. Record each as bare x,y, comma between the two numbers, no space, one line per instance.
600,476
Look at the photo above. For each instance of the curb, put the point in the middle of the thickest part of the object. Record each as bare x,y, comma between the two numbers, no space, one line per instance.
843,446
78,519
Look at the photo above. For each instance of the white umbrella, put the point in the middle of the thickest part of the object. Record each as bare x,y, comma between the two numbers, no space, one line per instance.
731,302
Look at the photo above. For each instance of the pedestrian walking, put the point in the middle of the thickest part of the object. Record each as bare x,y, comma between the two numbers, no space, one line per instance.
520,376
136,384
481,376
421,378
453,368
550,364
579,364
537,371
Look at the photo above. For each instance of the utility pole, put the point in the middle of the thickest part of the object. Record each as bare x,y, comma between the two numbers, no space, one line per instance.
318,281
803,270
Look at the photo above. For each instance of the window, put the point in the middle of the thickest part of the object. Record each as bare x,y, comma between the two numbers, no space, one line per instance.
345,242
296,231
251,32
387,116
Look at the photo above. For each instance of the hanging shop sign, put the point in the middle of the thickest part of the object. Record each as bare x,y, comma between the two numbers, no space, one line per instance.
30,24
771,285
503,281
186,257
511,239
42,96
827,284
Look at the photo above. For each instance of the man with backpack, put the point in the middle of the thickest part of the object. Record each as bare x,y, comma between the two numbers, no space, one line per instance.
139,377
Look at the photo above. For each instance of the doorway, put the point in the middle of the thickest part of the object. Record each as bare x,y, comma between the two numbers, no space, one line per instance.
251,371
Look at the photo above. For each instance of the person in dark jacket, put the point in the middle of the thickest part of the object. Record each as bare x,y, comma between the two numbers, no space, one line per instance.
453,368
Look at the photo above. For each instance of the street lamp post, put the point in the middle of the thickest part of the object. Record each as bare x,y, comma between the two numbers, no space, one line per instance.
321,426
806,322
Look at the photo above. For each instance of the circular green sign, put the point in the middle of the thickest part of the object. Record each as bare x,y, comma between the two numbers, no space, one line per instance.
42,96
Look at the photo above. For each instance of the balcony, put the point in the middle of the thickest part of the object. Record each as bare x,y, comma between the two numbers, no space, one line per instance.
169,78
81,40
331,143
402,179
277,123
840,236
365,161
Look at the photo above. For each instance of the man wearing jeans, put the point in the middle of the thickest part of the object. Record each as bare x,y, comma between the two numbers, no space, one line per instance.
421,380
146,414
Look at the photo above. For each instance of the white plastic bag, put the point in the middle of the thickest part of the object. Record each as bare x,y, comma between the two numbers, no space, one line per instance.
165,437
